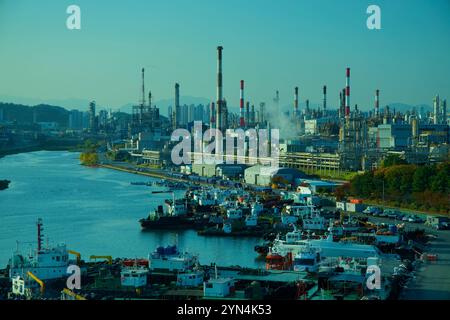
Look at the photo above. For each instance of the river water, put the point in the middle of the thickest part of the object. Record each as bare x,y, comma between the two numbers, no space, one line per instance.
95,211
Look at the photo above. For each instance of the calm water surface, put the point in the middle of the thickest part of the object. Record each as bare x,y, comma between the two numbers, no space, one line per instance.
94,211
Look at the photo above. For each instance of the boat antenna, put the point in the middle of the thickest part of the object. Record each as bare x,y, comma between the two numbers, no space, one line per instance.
215,270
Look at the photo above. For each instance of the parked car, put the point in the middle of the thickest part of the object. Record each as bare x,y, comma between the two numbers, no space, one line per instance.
383,214
420,220
415,219
392,215
443,226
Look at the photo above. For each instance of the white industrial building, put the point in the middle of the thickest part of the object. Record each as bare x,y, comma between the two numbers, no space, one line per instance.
263,175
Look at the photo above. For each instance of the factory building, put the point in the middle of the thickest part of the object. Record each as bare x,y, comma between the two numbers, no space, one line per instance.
225,171
313,126
317,186
402,136
433,133
394,136
263,175
312,161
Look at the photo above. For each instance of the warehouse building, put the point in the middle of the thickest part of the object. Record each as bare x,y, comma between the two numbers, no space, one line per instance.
263,175
225,171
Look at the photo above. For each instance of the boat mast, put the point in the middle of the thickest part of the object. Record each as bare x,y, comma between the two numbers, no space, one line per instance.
40,234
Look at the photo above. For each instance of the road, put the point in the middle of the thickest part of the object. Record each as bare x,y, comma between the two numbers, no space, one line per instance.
432,281
433,278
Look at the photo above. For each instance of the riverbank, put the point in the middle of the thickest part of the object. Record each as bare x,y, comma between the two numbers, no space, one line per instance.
158,175
35,148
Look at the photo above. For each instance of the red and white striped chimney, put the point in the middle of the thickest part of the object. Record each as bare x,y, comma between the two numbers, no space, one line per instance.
347,94
242,120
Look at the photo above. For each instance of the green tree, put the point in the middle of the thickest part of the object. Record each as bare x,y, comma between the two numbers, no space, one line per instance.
421,178
392,160
362,185
439,183
89,159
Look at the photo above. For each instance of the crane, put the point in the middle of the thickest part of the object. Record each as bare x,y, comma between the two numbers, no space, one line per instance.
73,294
108,258
39,281
77,254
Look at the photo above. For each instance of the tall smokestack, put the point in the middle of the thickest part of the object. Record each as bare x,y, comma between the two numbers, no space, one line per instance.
253,115
177,105
242,120
247,114
347,94
143,88
324,99
150,99
377,103
276,101
444,111
219,107
296,102
436,111
212,113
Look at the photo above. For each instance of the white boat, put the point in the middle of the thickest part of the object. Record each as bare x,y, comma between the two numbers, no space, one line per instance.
234,213
227,228
45,263
251,221
299,211
307,260
170,259
257,209
326,247
315,223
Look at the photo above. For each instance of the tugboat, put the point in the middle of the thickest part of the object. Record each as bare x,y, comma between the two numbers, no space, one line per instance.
44,264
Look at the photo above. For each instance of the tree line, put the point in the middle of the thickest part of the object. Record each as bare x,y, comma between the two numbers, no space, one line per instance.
417,187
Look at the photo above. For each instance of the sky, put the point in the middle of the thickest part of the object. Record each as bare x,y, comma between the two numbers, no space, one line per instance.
269,44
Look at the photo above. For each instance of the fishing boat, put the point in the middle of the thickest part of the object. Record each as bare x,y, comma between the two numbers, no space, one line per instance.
176,217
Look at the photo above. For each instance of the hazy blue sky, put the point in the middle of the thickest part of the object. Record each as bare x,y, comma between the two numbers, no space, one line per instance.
270,44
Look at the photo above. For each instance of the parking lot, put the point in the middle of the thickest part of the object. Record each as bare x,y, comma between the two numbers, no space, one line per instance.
432,280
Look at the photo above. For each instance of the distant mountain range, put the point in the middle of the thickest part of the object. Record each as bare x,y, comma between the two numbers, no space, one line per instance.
402,107
44,113
163,104
69,104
